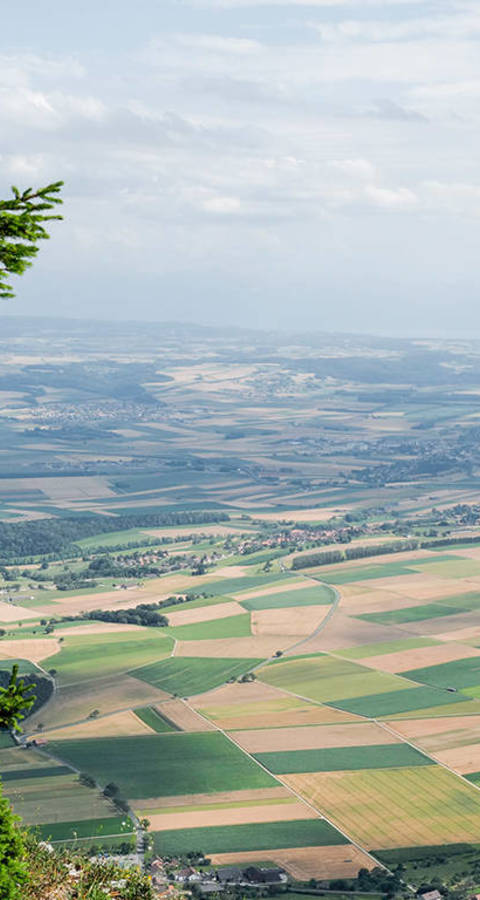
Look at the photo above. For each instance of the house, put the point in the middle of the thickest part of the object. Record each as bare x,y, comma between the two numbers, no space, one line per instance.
265,876
229,875
188,875
431,895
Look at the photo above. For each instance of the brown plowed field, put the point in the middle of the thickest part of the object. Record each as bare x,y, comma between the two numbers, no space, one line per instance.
230,797
342,632
205,613
76,701
99,628
312,738
404,660
290,622
117,725
463,759
439,729
11,613
438,625
242,648
183,717
303,863
236,815
34,649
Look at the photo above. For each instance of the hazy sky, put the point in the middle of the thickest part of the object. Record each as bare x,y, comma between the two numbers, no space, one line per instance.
277,163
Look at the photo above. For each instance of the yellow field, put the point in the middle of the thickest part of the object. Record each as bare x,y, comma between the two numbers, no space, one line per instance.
119,724
382,808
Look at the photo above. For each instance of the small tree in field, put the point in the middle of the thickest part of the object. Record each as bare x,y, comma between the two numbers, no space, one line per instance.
22,219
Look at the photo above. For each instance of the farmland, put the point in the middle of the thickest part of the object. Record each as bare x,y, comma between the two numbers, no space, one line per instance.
252,589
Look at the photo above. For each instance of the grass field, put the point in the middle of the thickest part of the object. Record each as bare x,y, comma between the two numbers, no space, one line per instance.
365,573
229,586
186,675
393,807
165,765
86,657
311,596
229,627
151,717
462,673
389,703
262,836
336,759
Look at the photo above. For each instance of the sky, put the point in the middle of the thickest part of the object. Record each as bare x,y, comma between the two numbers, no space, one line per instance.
275,164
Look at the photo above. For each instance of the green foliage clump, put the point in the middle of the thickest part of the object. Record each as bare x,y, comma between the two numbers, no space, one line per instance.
14,702
13,873
21,227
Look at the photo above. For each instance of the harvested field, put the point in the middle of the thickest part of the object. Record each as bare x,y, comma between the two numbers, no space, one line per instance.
99,628
462,759
204,613
470,635
254,647
11,613
420,586
441,733
34,649
343,632
363,734
441,624
303,863
119,724
76,701
221,798
290,622
185,718
396,807
405,660
275,812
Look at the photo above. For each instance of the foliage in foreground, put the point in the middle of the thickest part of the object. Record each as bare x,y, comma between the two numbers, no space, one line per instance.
21,227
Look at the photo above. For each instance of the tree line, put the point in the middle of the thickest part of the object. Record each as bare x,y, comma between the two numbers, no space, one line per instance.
57,536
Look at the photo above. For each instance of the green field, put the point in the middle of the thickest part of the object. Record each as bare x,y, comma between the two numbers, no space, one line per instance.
185,675
379,705
321,595
384,647
58,831
151,717
261,836
325,678
365,573
229,586
165,765
461,673
229,627
412,614
87,656
337,759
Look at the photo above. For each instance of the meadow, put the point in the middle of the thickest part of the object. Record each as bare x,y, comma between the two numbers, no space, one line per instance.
186,676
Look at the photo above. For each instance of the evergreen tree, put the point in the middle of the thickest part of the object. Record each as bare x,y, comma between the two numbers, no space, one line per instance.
21,227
